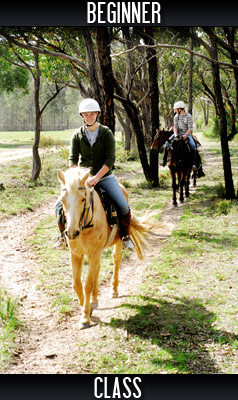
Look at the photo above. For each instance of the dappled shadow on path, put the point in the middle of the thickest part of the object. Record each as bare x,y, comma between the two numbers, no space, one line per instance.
182,327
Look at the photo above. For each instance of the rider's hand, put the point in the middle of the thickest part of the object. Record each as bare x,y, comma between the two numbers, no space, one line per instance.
92,181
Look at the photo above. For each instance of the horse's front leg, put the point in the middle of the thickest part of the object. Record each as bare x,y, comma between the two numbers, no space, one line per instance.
174,187
117,257
89,286
76,263
182,183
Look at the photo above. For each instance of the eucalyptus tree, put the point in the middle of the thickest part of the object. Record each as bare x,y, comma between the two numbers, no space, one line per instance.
39,66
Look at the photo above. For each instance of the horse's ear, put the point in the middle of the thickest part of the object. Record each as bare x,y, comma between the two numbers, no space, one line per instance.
85,178
61,176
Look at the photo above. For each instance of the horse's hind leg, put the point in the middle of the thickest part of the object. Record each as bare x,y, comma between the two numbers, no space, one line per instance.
194,178
187,186
94,302
181,197
117,256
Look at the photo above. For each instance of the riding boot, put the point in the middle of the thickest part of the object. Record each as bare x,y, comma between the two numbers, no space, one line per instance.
124,226
164,162
61,221
61,243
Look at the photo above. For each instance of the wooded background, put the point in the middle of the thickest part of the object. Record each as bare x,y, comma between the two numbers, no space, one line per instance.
135,73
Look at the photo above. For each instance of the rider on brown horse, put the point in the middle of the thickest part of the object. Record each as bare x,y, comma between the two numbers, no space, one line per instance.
183,126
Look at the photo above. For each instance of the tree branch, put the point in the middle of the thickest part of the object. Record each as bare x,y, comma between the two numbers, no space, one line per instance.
172,46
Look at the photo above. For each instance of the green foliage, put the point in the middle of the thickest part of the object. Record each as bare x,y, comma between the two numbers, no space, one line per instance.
11,76
16,177
9,324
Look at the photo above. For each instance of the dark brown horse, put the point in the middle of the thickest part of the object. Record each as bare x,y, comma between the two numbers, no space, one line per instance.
179,161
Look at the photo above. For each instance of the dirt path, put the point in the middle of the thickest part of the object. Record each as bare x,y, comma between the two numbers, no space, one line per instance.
45,344
20,153
15,154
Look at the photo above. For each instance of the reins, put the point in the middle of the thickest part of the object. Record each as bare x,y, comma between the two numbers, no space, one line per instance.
83,224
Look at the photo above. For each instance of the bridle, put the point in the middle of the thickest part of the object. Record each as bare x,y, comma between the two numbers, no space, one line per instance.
83,224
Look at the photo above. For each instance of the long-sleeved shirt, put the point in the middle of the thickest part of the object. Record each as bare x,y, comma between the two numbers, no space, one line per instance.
183,122
102,152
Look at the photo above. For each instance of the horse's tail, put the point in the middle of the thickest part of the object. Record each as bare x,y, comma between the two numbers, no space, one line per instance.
141,230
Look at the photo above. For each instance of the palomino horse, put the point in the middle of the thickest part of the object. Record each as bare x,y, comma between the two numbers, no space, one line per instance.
88,232
179,161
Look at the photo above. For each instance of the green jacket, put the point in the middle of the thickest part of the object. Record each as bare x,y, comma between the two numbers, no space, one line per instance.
102,152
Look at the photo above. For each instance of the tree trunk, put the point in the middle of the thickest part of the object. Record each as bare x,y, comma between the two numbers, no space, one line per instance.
126,127
229,186
36,167
190,78
132,114
154,102
95,90
103,45
109,84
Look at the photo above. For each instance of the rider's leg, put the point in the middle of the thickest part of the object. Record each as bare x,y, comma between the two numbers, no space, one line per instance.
113,189
61,242
193,150
165,156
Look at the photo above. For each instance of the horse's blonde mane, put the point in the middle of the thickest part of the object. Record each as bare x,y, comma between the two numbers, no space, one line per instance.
75,175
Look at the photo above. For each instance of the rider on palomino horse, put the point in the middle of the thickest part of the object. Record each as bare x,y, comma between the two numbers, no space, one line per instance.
93,146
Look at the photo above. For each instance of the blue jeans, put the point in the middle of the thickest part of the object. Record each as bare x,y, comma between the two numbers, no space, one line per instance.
112,187
190,140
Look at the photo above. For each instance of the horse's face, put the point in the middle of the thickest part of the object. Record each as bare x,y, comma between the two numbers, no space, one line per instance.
73,197
159,139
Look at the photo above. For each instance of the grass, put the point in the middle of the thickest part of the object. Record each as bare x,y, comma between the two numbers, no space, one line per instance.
9,325
20,194
12,140
184,318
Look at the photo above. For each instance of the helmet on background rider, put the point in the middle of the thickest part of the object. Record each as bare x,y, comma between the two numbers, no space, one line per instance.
89,105
179,104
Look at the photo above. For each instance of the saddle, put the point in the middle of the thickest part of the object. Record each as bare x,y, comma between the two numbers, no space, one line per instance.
108,205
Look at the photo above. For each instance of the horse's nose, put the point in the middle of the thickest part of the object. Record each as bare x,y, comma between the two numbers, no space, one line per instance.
72,234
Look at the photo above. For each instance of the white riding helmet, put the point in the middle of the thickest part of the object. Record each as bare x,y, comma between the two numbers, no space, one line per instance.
89,105
179,104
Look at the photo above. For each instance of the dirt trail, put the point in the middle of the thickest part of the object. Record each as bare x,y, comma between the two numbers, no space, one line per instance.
46,344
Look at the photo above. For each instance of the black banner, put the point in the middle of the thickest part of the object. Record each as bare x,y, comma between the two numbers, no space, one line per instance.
110,13
143,387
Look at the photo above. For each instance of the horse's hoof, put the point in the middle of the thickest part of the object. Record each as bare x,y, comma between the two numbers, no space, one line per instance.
83,325
94,305
182,201
175,204
114,295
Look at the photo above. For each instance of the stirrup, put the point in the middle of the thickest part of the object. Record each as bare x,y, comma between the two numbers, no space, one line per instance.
127,243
